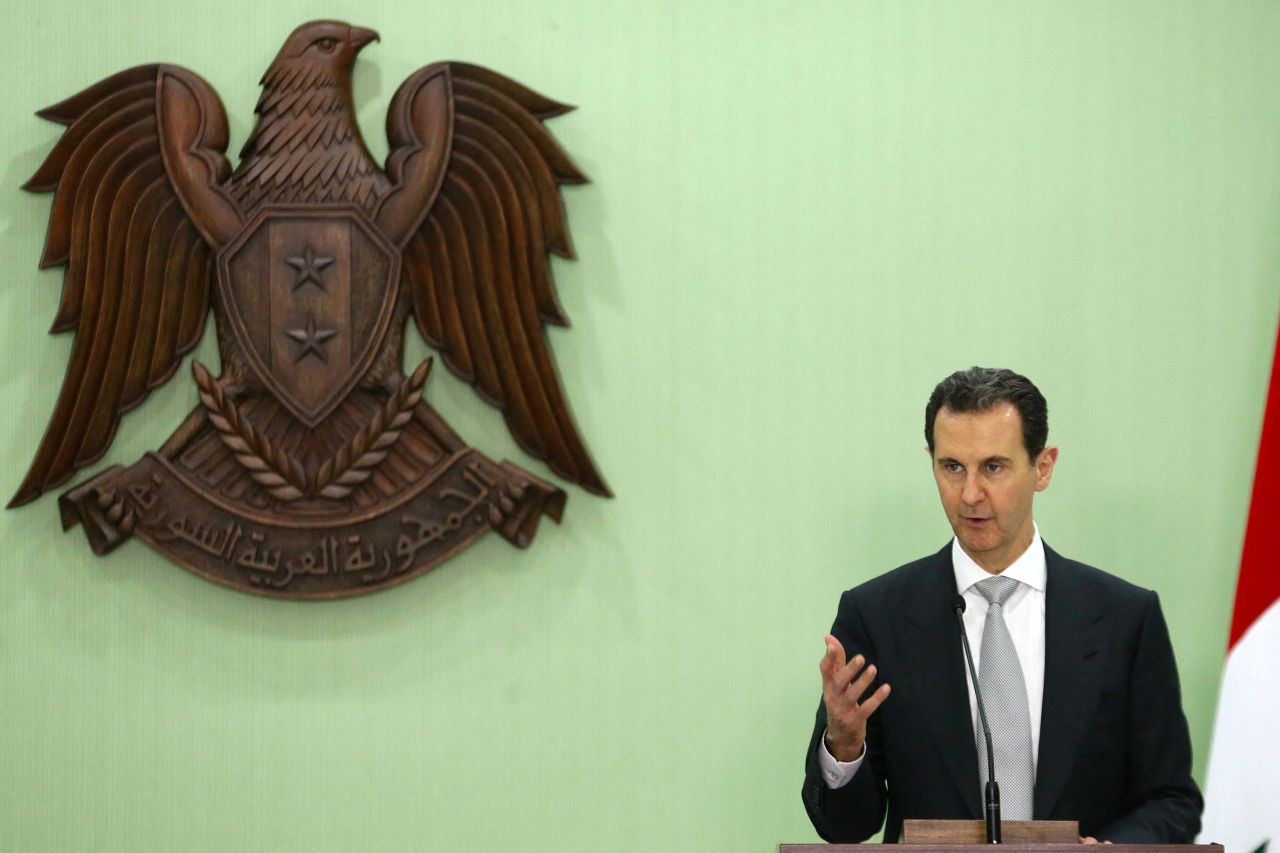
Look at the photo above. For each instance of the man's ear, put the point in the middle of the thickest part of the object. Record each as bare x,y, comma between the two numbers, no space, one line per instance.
1044,467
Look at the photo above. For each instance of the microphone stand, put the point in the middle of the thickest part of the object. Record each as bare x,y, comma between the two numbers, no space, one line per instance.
992,804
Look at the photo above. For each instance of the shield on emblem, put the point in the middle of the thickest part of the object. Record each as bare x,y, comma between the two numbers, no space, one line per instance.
309,294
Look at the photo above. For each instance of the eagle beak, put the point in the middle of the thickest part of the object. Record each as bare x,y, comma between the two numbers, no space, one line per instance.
361,37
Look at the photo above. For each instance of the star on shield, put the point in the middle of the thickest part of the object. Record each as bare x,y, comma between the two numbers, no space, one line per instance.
308,265
312,338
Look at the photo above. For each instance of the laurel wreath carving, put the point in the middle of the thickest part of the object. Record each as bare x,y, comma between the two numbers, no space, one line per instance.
355,461
284,476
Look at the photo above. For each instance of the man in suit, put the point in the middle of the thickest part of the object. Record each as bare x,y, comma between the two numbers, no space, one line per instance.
1079,681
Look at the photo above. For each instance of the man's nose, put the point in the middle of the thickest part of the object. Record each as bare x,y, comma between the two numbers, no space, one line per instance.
972,492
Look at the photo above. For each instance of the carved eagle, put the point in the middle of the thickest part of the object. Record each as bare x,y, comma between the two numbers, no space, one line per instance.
145,204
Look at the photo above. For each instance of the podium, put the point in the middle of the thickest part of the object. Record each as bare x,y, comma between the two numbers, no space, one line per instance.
1021,836
1005,848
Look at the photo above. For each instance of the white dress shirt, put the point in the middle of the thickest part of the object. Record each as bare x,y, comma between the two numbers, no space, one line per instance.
1024,616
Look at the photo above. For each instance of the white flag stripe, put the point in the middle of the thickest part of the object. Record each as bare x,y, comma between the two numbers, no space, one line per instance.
1242,797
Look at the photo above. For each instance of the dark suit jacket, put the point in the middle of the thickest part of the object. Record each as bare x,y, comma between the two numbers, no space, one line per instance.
1114,750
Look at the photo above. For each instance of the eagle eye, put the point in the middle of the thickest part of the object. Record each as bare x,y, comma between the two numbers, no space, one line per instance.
327,44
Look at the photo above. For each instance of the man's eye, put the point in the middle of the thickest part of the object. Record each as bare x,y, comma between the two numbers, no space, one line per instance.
993,468
953,467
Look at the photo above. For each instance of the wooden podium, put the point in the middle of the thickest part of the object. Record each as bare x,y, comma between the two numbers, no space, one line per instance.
1020,836
975,831
1005,848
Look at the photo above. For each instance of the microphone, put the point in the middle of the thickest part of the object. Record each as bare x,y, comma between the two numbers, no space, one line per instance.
992,805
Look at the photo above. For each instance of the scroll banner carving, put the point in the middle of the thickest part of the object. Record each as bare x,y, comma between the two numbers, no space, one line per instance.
313,467
273,553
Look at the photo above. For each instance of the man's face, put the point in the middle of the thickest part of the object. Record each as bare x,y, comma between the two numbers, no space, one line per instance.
986,482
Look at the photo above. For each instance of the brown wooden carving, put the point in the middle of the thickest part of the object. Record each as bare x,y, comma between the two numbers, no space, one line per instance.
917,831
313,467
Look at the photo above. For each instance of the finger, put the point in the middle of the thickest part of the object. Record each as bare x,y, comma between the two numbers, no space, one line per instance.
863,682
832,686
832,661
835,653
847,672
830,694
877,699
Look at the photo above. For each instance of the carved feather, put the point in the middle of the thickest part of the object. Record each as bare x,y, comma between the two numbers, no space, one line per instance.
476,265
138,273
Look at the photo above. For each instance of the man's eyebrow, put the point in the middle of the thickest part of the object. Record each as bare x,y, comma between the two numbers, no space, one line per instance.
1001,460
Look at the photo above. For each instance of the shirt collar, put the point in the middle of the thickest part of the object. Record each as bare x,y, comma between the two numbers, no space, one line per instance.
1029,568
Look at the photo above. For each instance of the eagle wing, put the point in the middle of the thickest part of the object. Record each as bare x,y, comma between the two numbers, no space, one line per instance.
136,218
476,208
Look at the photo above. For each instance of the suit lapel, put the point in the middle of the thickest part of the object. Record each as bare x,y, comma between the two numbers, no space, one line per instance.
935,668
1074,658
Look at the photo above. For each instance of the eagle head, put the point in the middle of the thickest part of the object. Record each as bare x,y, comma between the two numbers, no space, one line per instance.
306,118
328,45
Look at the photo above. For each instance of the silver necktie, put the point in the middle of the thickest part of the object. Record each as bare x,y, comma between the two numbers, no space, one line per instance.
1005,693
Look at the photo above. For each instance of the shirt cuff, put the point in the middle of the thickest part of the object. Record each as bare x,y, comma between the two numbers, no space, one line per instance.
837,773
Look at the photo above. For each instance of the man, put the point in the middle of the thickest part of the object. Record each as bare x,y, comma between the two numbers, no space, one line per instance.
1075,665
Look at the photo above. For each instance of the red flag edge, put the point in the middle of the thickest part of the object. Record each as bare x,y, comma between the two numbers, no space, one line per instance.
1259,583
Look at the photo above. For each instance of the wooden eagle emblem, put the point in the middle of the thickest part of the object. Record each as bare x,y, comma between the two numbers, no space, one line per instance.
313,466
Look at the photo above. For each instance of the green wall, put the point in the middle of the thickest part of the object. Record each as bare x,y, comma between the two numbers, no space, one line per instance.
803,215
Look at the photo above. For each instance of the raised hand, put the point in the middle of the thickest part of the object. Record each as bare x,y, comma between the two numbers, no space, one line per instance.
843,685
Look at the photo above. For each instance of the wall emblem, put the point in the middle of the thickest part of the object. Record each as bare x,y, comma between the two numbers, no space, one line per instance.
313,466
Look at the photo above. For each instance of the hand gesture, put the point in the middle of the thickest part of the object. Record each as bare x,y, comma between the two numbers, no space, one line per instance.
841,692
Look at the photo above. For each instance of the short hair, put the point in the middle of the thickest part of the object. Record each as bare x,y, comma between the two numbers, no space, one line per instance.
980,389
